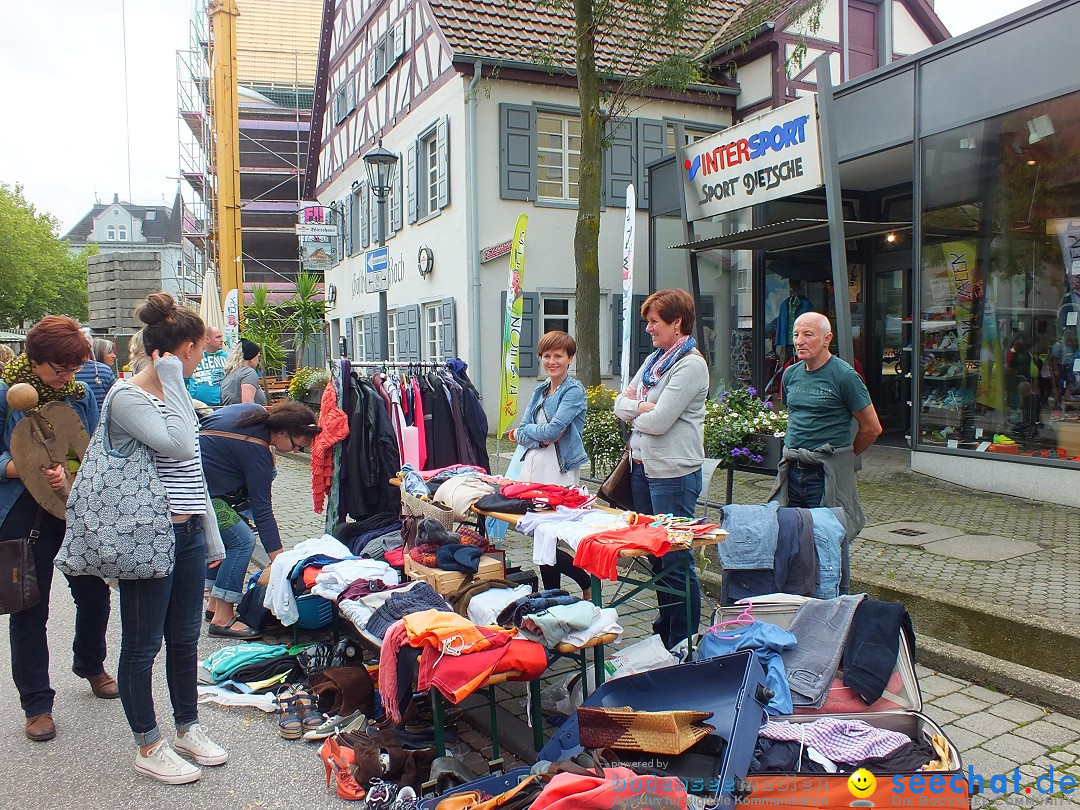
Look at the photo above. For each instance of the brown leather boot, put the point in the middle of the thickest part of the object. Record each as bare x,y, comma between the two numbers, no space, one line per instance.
40,727
104,686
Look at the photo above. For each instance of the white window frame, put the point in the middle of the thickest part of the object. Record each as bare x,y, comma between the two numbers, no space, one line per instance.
110,233
391,336
562,157
358,337
427,158
121,233
433,331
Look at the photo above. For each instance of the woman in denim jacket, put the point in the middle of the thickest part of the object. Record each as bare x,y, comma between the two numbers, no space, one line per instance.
550,431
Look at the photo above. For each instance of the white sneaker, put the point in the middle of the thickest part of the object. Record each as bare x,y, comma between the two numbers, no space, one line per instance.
202,749
165,765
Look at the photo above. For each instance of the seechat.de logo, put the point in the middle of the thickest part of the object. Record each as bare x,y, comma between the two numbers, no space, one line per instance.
692,167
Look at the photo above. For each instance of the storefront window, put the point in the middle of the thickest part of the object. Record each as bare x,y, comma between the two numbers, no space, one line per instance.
998,368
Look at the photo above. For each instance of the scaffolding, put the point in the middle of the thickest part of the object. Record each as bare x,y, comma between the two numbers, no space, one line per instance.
276,45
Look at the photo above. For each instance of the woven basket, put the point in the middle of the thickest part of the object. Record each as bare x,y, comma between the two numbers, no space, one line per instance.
412,505
625,729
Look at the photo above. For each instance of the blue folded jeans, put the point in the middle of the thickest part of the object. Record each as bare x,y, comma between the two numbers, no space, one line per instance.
821,627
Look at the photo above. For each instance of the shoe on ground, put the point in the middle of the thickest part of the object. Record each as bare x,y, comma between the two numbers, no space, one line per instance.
103,686
337,724
40,727
248,633
165,765
197,743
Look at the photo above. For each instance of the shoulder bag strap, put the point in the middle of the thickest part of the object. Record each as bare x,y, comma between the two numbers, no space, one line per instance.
240,437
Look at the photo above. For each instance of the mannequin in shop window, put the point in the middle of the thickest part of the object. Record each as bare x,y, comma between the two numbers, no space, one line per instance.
795,305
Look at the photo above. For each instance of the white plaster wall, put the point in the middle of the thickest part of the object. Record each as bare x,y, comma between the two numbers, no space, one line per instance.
908,37
988,474
829,29
755,81
117,215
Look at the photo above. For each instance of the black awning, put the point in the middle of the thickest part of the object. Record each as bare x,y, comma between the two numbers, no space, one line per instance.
792,234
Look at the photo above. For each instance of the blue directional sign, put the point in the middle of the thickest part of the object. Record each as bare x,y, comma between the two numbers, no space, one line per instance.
377,270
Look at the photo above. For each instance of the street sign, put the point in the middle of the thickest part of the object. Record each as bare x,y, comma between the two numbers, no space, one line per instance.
315,229
377,270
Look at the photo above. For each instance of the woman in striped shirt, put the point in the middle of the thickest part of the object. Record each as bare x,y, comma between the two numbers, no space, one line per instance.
154,409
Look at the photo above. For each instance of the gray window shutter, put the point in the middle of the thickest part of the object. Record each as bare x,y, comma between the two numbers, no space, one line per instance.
517,152
640,340
371,338
349,221
373,77
350,100
449,330
395,201
408,333
362,215
442,145
651,144
399,38
619,161
616,333
349,348
373,219
410,182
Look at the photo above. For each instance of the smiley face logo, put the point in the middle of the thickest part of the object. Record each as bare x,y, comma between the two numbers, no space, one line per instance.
862,784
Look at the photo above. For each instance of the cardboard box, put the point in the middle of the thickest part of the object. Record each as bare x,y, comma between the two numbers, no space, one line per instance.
1068,437
446,582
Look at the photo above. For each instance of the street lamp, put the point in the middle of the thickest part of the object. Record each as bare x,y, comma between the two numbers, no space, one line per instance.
381,164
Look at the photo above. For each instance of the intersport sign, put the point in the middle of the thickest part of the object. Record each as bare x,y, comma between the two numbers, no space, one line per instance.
774,155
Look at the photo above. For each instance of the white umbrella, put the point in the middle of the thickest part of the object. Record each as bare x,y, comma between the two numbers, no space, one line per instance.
210,306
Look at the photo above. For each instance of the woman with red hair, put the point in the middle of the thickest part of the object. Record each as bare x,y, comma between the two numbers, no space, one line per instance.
55,351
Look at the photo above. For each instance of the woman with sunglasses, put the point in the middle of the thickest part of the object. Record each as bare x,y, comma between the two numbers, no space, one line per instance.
55,351
238,444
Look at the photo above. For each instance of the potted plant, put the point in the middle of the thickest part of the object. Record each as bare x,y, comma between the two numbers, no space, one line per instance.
307,385
743,431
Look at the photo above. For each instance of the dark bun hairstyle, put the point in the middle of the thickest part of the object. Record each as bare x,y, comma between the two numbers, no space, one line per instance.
292,417
168,326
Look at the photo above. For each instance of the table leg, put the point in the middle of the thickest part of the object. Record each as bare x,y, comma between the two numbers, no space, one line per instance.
689,608
537,715
438,720
493,707
598,651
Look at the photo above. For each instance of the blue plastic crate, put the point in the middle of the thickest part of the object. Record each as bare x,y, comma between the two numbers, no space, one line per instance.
487,785
314,612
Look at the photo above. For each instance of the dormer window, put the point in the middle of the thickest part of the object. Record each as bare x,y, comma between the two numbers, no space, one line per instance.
110,233
151,215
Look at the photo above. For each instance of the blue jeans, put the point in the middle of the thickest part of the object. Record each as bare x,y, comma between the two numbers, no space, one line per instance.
27,628
679,497
227,580
170,608
806,488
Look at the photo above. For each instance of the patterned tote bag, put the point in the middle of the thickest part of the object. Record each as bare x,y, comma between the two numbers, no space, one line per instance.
118,521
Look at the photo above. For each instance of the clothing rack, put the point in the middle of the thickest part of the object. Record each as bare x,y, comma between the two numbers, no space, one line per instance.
403,365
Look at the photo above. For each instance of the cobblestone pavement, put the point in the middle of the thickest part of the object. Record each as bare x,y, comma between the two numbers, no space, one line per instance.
994,732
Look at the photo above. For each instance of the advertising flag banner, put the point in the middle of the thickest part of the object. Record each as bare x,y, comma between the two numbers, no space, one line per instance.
232,317
627,284
960,262
774,155
508,397
991,387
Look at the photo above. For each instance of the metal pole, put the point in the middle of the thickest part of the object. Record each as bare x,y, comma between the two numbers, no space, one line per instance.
830,170
384,326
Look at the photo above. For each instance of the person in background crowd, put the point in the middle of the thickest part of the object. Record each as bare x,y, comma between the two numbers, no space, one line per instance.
137,359
205,383
823,394
665,406
55,350
6,355
236,443
241,383
551,430
154,409
98,374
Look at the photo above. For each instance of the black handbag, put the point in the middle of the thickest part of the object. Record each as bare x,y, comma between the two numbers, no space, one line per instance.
616,487
18,574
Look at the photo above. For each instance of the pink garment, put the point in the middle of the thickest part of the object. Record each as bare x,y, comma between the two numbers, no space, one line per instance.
396,637
418,422
426,474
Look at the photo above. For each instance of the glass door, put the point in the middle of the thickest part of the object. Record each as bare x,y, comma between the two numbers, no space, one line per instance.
888,360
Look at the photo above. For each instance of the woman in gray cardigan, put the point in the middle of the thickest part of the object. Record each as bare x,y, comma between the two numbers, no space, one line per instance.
665,406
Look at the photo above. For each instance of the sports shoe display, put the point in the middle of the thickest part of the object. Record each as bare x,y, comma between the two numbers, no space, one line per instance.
202,749
165,765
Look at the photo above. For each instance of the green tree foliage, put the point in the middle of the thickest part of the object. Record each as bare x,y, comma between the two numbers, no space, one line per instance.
264,324
38,276
308,310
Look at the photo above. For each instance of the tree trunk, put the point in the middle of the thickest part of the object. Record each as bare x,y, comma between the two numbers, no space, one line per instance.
590,176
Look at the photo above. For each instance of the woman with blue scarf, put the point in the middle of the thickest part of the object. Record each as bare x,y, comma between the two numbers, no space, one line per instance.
665,406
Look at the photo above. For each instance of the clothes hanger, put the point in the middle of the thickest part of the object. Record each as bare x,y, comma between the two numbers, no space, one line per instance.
743,619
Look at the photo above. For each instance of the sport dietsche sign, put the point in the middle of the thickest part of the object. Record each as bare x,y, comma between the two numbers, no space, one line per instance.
774,155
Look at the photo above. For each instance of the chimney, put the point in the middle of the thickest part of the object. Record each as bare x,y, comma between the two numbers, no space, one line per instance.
115,198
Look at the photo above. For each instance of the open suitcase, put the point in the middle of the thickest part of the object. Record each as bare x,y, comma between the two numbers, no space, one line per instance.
899,709
731,686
